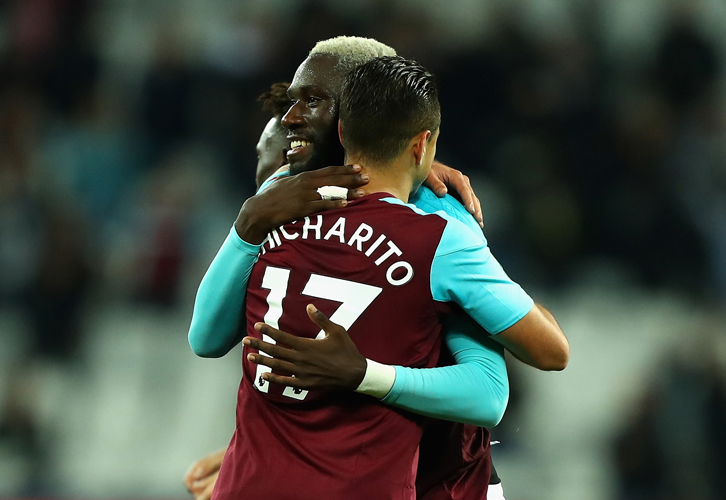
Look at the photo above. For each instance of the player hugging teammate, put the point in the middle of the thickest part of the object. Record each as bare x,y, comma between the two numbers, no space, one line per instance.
294,441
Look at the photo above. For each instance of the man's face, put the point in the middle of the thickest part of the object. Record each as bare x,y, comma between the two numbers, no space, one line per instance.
271,150
312,119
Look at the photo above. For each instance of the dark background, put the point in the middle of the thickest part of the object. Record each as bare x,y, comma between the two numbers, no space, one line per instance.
594,133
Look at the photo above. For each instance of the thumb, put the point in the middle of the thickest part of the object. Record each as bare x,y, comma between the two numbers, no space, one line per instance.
320,319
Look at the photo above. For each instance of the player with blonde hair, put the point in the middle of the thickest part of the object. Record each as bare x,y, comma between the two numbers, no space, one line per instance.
315,102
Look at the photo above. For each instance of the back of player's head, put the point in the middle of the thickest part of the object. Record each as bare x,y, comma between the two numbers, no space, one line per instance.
352,51
275,101
384,104
273,143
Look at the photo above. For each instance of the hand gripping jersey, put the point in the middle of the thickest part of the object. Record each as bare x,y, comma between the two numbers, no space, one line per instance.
385,271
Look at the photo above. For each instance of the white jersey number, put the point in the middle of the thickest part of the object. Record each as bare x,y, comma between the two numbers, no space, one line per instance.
354,298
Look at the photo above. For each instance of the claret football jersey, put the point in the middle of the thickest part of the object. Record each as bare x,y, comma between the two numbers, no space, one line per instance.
455,458
386,272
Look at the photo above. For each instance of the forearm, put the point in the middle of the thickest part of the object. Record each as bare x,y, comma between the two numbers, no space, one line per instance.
475,390
537,340
561,358
218,307
461,393
548,315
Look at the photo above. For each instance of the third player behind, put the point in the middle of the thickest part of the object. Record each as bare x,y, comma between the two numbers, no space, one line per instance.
393,134
315,86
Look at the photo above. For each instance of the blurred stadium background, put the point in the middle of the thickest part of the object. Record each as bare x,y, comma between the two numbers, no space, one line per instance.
594,132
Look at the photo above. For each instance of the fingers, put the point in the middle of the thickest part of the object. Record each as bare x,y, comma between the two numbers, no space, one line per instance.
188,477
207,493
478,214
306,184
335,170
344,176
198,486
324,205
436,185
281,355
346,181
463,191
273,363
196,471
283,380
203,471
354,194
469,198
273,350
292,341
320,319
203,489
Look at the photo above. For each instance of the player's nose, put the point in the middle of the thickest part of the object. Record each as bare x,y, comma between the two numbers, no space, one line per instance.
293,118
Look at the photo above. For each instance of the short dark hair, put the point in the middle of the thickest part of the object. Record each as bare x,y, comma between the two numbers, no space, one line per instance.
275,100
386,102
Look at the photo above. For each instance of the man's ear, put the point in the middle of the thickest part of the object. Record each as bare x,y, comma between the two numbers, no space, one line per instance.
340,132
419,146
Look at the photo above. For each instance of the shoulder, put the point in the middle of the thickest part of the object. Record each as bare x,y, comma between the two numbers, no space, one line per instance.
455,234
282,172
458,236
405,207
429,202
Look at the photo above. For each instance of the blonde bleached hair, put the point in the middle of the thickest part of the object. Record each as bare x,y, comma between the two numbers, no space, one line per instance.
352,51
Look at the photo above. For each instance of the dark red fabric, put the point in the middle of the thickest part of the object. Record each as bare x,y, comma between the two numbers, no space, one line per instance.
454,462
338,446
454,459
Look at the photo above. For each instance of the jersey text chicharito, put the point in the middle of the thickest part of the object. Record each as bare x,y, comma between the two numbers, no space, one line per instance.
398,272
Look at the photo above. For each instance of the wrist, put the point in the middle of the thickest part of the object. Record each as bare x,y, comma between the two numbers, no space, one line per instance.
378,379
248,227
356,373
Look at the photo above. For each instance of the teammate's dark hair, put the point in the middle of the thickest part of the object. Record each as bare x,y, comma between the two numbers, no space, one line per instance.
275,100
384,104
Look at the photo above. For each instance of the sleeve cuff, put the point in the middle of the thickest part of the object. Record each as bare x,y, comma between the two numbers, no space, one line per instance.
248,248
378,380
523,311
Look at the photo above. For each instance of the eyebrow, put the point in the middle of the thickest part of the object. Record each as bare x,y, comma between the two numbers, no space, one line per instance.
307,88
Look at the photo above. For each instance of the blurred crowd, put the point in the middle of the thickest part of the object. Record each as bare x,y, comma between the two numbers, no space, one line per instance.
674,442
591,168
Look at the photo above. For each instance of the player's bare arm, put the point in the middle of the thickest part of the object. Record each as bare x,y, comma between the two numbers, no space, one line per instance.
537,340
293,197
332,162
335,363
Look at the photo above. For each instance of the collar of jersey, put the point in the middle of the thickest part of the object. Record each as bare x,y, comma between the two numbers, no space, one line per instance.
373,196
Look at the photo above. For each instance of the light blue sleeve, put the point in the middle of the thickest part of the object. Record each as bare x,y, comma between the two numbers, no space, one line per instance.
430,202
465,272
474,391
273,178
218,308
219,305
